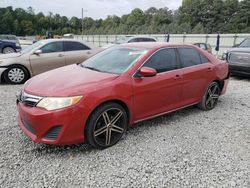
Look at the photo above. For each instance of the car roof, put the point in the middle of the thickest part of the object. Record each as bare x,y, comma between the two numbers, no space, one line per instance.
147,37
154,45
71,40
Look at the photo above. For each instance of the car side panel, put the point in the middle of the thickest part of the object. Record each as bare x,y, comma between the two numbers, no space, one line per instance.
76,57
195,81
158,94
47,61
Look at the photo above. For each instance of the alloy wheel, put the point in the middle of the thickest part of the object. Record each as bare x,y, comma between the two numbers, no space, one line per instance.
109,127
212,96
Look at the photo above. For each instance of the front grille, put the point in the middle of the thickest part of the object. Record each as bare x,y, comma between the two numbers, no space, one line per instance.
239,58
53,133
29,127
30,100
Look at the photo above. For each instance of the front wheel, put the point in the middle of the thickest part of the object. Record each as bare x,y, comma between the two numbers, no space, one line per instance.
106,125
211,97
8,50
16,75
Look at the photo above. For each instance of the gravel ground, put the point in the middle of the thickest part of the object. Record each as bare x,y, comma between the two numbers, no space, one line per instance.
188,148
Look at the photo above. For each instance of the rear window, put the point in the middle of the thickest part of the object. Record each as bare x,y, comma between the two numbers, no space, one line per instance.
75,46
189,57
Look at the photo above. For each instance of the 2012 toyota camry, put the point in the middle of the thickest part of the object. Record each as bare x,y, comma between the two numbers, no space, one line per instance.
95,101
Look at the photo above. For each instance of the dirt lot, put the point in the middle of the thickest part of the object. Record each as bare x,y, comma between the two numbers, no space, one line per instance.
188,148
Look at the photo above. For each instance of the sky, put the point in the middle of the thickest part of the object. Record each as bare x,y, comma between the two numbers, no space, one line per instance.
92,8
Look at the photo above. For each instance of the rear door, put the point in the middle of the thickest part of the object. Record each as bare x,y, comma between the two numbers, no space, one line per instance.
197,73
158,94
52,57
76,52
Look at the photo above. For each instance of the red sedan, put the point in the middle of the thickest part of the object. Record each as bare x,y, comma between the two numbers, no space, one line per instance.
95,101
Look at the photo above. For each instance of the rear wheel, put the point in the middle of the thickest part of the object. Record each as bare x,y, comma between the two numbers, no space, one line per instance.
16,75
211,97
106,125
8,50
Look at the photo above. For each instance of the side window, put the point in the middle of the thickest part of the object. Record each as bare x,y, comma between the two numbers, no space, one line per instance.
133,40
204,59
75,46
148,40
151,40
189,57
52,47
162,61
203,46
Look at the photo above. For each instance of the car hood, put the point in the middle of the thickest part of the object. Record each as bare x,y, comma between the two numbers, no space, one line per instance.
70,80
8,56
247,50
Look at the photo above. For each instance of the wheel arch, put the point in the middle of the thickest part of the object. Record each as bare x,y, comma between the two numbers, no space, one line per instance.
16,64
220,82
7,47
118,101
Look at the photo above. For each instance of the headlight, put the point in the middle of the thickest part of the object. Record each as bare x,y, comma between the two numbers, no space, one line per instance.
224,56
55,103
17,44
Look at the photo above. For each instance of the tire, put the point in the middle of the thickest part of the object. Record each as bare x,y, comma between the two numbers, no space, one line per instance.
103,129
210,98
16,75
8,50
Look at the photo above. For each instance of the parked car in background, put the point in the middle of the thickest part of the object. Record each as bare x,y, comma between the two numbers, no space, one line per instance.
239,58
9,44
204,46
43,56
68,36
130,39
118,87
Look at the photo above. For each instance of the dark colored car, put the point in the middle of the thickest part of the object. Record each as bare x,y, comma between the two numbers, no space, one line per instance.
239,59
204,46
95,101
9,44
7,47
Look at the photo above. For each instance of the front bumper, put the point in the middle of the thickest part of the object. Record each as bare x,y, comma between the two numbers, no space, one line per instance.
239,70
60,127
2,69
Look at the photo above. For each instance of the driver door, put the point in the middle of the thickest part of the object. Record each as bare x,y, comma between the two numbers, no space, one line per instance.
160,93
52,56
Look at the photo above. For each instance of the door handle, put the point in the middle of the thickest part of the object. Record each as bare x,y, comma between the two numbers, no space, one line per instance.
177,77
88,52
209,69
60,55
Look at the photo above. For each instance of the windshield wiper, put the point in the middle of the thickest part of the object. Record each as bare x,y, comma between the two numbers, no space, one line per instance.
91,68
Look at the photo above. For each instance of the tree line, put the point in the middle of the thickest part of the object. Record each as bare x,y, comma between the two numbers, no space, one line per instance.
193,16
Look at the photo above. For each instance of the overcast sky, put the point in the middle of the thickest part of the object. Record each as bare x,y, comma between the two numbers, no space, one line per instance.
94,8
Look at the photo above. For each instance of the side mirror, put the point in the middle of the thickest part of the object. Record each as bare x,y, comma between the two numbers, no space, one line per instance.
38,52
147,72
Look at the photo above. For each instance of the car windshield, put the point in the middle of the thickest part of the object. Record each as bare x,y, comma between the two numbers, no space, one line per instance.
32,47
116,60
245,44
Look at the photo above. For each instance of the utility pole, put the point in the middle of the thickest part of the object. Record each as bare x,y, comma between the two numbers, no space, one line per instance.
82,20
